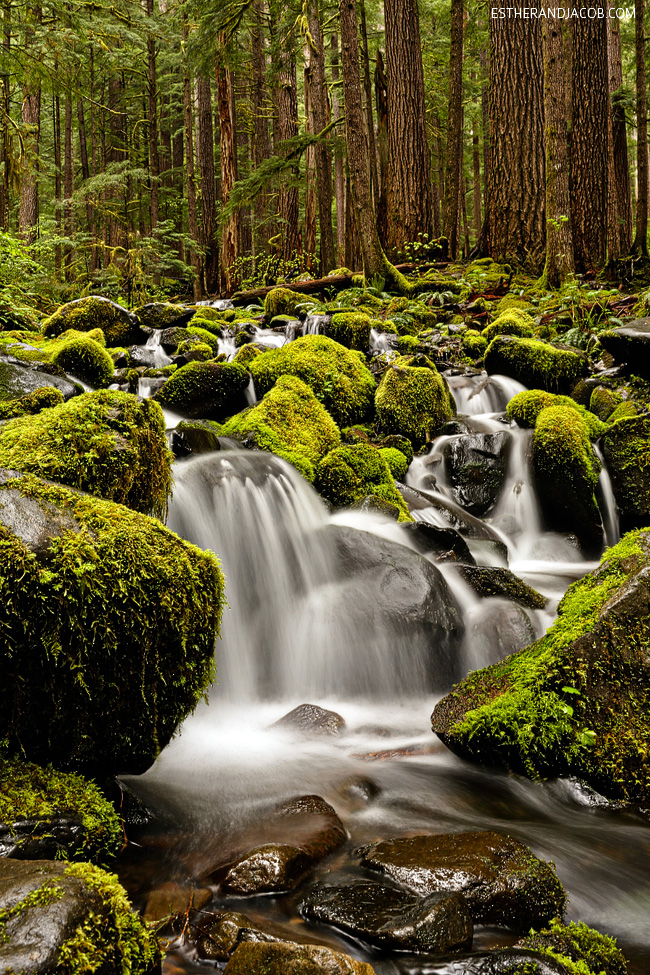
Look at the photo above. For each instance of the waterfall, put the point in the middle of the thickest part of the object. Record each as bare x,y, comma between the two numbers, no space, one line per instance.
159,356
476,394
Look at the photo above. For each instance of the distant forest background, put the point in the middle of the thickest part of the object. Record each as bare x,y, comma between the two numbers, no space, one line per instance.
158,147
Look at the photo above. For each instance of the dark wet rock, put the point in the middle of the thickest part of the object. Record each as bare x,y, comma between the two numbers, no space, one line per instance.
440,544
163,314
18,380
287,958
577,701
476,466
310,720
356,793
626,449
392,919
201,436
42,839
496,581
218,936
171,338
169,899
506,961
274,867
143,355
498,627
502,881
43,906
453,516
630,344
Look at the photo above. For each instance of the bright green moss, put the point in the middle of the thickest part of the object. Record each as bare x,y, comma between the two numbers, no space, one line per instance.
41,399
525,407
534,363
512,322
106,443
512,303
347,475
28,791
87,359
474,344
625,409
337,376
200,351
290,422
113,939
247,353
208,324
208,390
413,400
626,447
281,301
351,329
578,948
107,635
119,326
604,401
397,462
203,335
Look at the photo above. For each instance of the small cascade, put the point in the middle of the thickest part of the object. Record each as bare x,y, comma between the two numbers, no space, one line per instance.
475,394
381,341
219,304
226,344
158,355
250,393
607,503
269,337
314,324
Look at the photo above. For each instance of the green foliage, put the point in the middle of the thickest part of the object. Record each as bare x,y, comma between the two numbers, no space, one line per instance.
86,359
348,475
578,948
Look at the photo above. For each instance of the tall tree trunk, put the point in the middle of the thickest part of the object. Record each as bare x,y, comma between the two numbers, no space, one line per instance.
640,244
559,235
367,90
409,199
68,185
339,176
230,228
58,182
31,118
455,126
484,63
5,108
192,211
261,145
287,101
623,194
381,98
589,143
514,226
83,155
309,239
323,155
152,111
205,159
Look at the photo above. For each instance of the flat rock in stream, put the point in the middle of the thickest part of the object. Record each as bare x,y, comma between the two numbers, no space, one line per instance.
287,958
310,720
17,381
496,581
501,880
392,919
217,936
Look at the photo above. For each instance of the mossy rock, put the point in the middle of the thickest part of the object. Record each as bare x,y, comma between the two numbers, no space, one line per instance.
525,407
41,399
626,449
202,436
120,327
246,353
70,918
106,443
290,422
397,462
348,475
87,359
511,322
604,401
534,363
351,329
577,701
496,581
485,274
173,338
109,623
338,376
287,958
630,344
578,948
47,815
164,314
623,411
195,350
18,381
205,390
281,301
474,344
413,400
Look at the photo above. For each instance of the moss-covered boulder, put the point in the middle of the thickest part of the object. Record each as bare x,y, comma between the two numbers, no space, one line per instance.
535,363
108,623
106,443
495,581
41,399
287,958
603,402
577,701
164,314
511,322
281,301
626,449
525,407
70,918
205,390
473,344
630,344
413,400
120,327
566,473
348,475
48,815
578,948
338,376
351,329
86,359
397,462
290,422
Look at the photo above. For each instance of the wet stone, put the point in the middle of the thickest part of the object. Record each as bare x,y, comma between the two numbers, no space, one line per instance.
287,958
508,961
170,899
310,720
274,867
42,839
218,936
503,882
393,919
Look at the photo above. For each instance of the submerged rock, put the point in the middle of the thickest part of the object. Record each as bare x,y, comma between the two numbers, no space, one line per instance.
170,899
497,581
392,919
577,701
310,720
218,936
287,958
502,881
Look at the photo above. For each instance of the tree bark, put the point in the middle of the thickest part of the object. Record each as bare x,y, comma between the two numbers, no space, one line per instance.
309,239
323,155
339,176
559,235
58,182
287,102
152,111
230,230
5,109
31,118
409,190
367,90
589,143
454,127
381,98
205,159
261,143
640,244
192,212
68,186
623,195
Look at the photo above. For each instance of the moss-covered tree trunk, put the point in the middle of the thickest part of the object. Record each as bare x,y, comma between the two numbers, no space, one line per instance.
31,118
230,228
454,128
559,236
640,245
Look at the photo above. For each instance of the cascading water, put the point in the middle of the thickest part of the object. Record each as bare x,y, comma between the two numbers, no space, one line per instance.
158,355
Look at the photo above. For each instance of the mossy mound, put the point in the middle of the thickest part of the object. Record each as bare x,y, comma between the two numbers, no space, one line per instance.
197,351
70,919
281,301
623,411
108,623
338,376
473,344
41,399
513,322
348,475
397,462
578,948
119,326
485,274
577,701
413,399
603,402
59,813
626,449
534,363
87,359
525,407
289,422
205,390
106,443
163,314
351,329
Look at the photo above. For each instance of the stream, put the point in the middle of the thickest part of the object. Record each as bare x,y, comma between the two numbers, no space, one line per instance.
298,630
